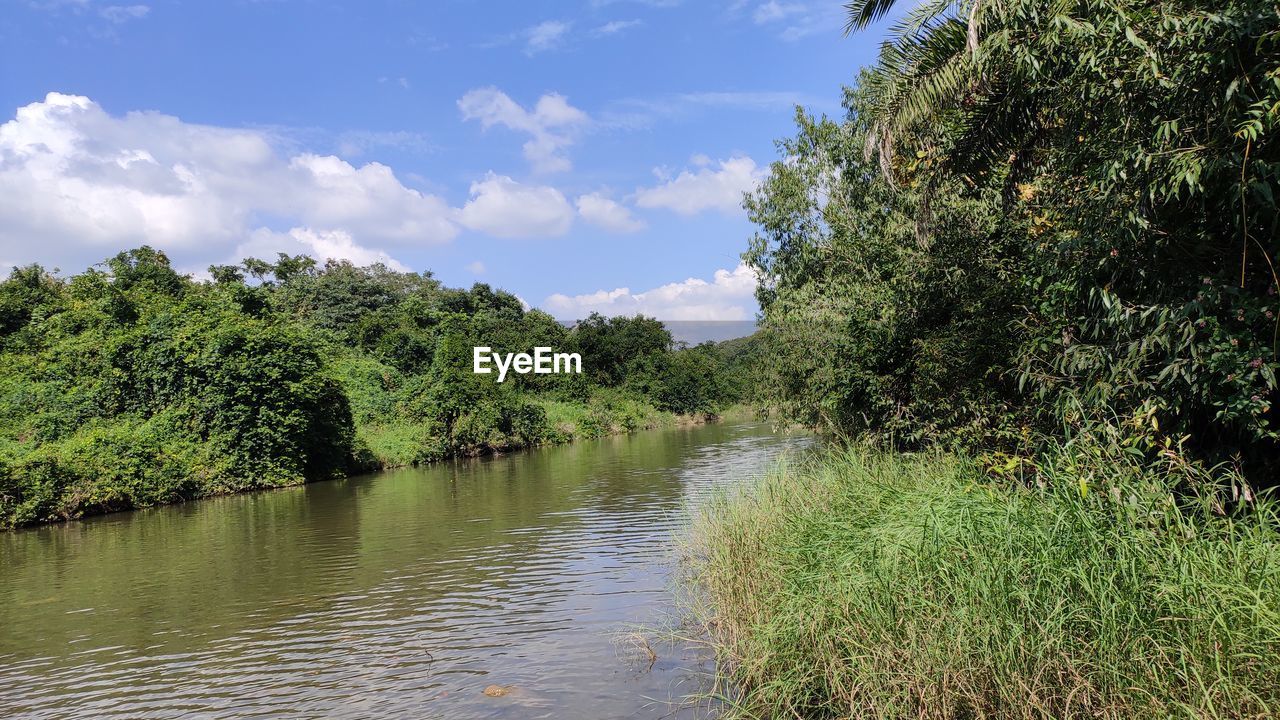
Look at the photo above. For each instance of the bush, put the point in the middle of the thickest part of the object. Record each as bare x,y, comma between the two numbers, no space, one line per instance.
141,387
106,466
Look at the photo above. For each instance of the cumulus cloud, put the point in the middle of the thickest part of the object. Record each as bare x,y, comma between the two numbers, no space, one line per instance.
368,200
605,213
77,181
320,244
476,268
729,296
552,124
505,208
708,188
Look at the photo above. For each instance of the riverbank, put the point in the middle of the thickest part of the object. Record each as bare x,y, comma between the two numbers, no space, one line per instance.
95,478
869,585
385,447
135,385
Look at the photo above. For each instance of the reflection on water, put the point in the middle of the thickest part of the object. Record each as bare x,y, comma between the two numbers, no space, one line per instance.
402,594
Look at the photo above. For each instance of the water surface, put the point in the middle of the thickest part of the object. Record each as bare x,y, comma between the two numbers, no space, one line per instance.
401,594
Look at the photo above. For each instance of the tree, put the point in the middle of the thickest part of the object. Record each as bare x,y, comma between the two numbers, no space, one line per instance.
610,345
874,322
1124,154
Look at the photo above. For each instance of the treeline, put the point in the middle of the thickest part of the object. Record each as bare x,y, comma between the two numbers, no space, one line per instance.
1037,220
131,385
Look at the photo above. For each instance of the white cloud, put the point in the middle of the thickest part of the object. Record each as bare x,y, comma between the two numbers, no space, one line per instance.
124,13
605,213
614,27
552,124
97,20
77,181
369,200
544,36
774,11
729,296
809,26
320,244
57,4
476,268
505,208
798,19
707,188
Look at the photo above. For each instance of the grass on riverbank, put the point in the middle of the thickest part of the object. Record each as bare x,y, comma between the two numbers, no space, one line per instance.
135,463
401,444
882,586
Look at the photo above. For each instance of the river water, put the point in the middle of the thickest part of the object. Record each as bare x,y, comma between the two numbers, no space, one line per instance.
400,594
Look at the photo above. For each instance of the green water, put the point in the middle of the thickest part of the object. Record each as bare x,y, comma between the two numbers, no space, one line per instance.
401,594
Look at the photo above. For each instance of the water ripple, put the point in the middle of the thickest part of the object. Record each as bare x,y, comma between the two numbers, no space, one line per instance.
401,594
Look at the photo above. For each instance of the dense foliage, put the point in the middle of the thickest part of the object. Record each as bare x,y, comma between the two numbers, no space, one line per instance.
131,385
1045,230
1037,215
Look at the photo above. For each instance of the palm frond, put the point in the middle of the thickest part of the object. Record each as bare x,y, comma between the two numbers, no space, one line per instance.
864,12
930,65
918,17
920,74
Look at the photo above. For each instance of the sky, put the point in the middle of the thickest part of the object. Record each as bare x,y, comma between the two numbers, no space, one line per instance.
586,156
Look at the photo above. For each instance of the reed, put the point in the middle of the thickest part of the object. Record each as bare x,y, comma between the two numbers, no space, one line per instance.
874,585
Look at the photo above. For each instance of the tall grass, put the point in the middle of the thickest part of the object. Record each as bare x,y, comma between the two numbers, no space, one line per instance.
869,585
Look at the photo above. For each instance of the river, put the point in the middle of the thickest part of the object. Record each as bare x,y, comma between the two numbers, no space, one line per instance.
400,594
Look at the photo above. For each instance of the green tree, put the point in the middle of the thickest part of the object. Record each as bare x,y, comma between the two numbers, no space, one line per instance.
610,345
1148,217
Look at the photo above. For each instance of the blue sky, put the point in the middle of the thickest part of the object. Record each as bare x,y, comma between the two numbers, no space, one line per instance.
584,155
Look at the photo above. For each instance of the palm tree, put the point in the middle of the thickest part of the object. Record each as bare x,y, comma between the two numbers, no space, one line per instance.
931,63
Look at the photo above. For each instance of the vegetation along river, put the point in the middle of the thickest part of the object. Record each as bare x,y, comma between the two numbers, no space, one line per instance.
400,594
